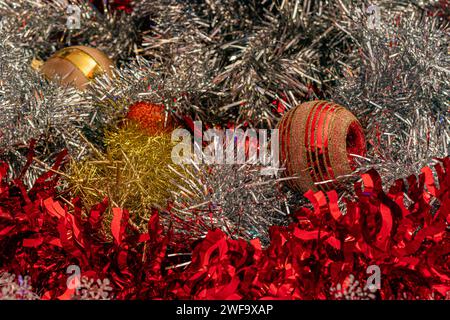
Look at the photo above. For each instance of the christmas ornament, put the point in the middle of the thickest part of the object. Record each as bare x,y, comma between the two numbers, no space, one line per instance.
133,173
318,143
76,66
150,117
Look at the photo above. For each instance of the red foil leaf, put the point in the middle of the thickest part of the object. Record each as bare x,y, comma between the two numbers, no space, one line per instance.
54,208
116,225
309,235
32,243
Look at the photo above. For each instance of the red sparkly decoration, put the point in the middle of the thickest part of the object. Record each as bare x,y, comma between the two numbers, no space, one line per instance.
150,117
404,232
119,5
317,142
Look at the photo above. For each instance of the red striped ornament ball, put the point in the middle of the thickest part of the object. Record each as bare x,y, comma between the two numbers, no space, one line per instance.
318,141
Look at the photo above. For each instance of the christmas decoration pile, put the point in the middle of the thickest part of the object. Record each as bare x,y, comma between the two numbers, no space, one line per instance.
93,94
403,232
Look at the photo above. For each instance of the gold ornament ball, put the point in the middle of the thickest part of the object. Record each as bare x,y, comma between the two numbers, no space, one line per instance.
76,66
318,143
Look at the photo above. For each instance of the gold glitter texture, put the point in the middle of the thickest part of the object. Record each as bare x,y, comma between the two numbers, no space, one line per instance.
134,173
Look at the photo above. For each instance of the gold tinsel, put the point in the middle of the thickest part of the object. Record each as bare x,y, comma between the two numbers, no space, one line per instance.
133,173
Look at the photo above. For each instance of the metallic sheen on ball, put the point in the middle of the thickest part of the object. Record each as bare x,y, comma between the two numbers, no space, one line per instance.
76,66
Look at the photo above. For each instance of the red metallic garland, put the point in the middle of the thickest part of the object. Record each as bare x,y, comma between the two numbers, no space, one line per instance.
41,237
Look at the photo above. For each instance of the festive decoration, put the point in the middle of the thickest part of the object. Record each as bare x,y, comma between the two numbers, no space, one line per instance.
233,58
55,117
318,141
43,27
93,290
125,5
134,173
397,84
16,289
76,66
136,226
41,237
151,118
352,290
237,199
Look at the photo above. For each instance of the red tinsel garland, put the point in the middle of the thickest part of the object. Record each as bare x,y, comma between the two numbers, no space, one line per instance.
404,232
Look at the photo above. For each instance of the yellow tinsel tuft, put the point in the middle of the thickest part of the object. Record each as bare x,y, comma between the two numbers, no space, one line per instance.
134,174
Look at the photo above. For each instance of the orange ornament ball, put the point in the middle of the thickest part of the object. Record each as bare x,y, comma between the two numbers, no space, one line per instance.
77,66
317,142
151,118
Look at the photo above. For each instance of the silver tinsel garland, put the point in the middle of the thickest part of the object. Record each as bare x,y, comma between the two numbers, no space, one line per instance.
238,199
32,108
242,57
397,85
43,27
139,80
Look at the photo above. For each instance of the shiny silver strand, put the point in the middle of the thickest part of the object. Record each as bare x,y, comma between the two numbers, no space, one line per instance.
42,27
234,198
396,82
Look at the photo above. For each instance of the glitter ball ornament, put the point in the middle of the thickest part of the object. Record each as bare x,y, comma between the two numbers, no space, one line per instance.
76,66
151,118
318,142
